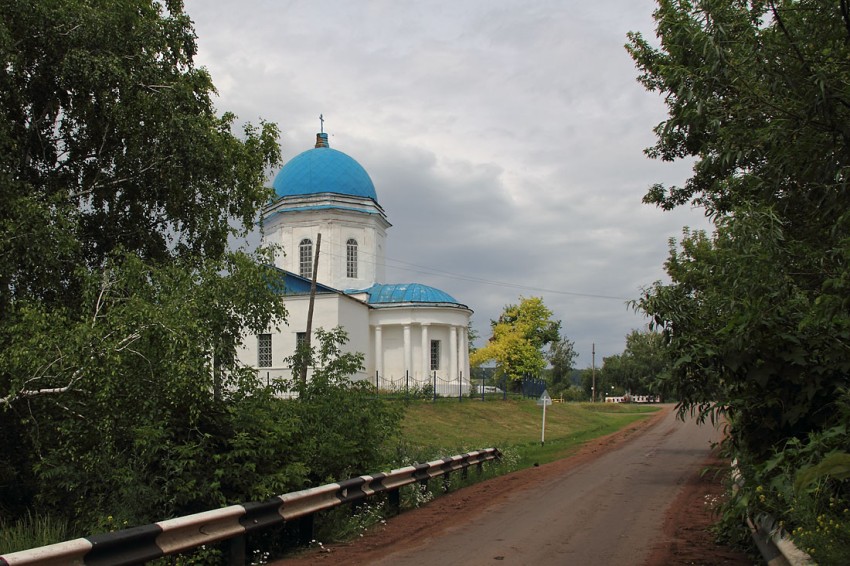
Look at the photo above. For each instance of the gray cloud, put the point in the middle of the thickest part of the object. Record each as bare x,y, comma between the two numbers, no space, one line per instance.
505,139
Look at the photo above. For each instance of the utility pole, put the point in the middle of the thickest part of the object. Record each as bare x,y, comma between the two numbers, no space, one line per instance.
308,352
593,371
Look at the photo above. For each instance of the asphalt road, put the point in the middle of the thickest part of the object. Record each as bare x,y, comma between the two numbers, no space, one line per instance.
608,510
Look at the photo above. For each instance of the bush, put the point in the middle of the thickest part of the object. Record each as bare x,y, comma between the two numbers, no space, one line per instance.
806,486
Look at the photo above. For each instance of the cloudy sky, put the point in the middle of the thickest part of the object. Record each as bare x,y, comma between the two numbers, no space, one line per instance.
505,139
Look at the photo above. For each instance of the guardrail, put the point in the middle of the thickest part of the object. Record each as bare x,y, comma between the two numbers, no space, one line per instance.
773,543
149,542
770,538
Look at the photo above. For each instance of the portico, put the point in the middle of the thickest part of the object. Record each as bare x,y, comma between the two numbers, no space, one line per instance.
426,347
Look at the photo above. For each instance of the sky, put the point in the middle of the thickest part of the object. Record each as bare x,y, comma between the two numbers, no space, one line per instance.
505,140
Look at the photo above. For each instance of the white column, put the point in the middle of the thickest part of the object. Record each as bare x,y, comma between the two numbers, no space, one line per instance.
453,354
464,353
379,352
407,350
426,354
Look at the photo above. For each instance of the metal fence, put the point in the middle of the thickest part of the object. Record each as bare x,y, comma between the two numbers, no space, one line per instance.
434,386
437,387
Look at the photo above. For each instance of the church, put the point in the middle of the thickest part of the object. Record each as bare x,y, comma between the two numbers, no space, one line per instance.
412,335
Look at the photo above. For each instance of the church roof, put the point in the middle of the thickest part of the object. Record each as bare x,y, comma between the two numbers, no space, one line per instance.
323,170
380,294
288,283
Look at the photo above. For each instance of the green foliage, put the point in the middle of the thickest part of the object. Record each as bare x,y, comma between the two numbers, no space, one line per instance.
757,92
587,380
643,363
120,304
573,393
472,337
519,337
757,100
835,465
344,428
806,483
114,404
110,141
345,522
756,315
561,356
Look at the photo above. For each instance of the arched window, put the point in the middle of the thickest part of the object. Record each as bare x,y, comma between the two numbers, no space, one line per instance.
305,258
351,258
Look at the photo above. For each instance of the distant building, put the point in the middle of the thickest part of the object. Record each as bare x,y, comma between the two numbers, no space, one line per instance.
405,329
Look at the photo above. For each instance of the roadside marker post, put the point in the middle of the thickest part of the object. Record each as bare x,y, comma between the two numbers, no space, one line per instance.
544,401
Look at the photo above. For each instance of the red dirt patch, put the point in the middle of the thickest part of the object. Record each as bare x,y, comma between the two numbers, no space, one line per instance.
688,522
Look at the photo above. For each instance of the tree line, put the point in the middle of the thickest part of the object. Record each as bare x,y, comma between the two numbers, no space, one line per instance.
526,341
756,313
121,302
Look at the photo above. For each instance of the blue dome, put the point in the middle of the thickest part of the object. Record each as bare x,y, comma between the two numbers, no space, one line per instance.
407,293
323,170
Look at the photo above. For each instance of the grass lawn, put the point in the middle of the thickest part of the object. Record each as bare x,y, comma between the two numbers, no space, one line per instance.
448,427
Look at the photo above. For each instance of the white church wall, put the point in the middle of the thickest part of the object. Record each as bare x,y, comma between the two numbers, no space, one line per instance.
247,354
393,342
338,256
288,229
330,310
431,314
425,324
354,318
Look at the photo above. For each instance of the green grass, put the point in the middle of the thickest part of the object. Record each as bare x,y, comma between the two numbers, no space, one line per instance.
447,427
31,531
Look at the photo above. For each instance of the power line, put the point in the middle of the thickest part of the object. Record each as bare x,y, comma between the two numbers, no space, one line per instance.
338,252
473,279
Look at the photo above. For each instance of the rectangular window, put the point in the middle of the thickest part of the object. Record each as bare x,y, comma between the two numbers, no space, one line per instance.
435,355
264,350
300,339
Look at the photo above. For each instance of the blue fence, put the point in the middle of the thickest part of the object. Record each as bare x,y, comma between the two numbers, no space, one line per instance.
533,387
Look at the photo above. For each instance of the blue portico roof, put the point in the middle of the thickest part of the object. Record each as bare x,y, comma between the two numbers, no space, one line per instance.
407,293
